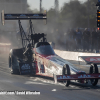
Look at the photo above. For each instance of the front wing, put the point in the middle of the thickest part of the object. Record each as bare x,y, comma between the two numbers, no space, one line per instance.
76,77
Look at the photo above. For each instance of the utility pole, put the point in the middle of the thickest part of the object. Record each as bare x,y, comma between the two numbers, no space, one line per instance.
40,6
56,5
88,15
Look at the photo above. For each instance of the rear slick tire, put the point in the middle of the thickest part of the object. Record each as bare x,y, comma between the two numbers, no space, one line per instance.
12,63
94,69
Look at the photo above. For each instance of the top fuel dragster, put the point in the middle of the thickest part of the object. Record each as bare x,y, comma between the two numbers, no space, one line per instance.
38,57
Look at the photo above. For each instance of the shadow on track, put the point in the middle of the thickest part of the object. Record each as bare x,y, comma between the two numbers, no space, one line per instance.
81,86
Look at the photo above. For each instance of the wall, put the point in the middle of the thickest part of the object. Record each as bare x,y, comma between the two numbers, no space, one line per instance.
73,55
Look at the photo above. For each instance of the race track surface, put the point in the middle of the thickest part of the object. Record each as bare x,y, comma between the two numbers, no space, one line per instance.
47,88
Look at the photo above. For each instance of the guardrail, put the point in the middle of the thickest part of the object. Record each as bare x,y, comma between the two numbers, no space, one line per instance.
73,55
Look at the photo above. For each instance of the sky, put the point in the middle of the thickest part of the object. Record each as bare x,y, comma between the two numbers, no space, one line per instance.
47,4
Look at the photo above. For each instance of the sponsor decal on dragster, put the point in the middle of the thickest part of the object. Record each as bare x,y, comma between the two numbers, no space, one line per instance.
25,68
63,77
78,77
35,15
95,59
9,15
57,60
85,76
23,15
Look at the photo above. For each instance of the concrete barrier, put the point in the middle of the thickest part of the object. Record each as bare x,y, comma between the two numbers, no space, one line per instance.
73,55
5,47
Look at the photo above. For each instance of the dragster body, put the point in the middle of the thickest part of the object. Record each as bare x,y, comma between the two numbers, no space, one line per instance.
48,63
39,58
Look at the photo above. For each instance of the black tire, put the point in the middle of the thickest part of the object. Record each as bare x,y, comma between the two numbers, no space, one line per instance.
13,70
9,62
94,69
66,71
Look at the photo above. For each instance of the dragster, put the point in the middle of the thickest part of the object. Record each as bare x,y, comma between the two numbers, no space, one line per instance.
38,57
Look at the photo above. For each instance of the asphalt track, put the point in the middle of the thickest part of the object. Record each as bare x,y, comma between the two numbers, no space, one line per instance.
47,88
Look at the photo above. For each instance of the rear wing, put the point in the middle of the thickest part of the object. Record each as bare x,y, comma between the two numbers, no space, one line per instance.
38,16
91,59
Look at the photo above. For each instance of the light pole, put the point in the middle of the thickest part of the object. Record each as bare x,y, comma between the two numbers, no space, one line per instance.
56,5
88,15
40,6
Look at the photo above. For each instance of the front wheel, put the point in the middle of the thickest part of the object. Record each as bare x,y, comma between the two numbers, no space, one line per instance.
94,69
66,71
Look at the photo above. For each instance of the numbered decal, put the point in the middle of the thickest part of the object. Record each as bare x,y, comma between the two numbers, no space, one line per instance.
25,66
